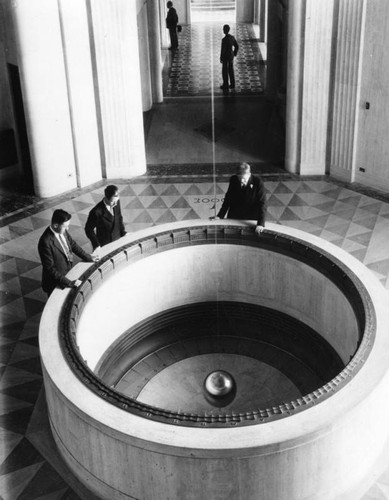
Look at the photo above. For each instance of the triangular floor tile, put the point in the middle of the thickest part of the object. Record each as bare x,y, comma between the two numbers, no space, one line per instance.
166,217
305,187
7,297
171,191
143,218
22,352
28,285
193,190
10,404
381,267
362,239
148,191
16,232
12,485
273,201
181,203
368,223
288,215
46,479
191,215
374,493
284,197
157,204
15,376
297,201
61,494
32,306
135,203
275,212
24,265
24,455
340,229
359,254
214,190
9,441
127,191
283,188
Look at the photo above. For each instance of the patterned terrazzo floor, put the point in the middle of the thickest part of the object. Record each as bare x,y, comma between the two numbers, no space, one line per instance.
29,466
195,69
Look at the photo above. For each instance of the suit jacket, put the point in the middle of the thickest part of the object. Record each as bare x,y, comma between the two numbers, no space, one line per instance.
229,48
245,203
172,18
55,264
102,227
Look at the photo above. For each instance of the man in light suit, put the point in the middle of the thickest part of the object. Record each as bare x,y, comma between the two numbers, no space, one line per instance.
105,221
245,198
56,248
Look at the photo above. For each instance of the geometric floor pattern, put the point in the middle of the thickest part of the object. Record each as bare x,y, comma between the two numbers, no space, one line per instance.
196,71
29,465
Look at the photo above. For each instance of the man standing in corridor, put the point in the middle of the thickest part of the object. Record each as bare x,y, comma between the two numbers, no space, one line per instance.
171,25
228,51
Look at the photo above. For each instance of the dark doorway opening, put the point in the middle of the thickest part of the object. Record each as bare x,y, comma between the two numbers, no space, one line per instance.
27,184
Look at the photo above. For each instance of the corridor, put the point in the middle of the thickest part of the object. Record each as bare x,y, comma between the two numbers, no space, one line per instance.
198,124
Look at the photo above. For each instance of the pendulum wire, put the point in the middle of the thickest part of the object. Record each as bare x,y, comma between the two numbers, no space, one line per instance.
214,160
213,124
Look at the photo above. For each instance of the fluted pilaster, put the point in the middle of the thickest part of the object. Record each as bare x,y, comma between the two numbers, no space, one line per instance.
80,83
119,87
294,90
316,84
346,88
155,51
144,59
45,95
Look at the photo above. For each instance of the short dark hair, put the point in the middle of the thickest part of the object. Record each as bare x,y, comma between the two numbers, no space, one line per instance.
226,28
60,216
169,4
110,191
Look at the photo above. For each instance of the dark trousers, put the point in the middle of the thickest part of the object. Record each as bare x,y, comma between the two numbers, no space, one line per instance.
228,71
173,38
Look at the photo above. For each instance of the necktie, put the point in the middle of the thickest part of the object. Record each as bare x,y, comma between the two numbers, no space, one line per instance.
65,246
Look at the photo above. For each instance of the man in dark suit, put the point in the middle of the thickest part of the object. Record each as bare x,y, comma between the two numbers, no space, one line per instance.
105,221
171,25
56,248
245,198
228,51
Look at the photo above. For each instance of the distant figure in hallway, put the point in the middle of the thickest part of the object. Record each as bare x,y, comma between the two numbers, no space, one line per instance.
228,51
245,198
56,248
105,221
171,25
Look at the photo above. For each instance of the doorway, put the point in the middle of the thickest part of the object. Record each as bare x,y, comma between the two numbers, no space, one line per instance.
223,11
27,183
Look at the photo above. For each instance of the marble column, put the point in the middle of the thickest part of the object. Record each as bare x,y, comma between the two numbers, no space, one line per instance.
273,49
165,39
262,21
346,88
155,51
144,60
318,27
294,87
80,83
45,94
119,87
